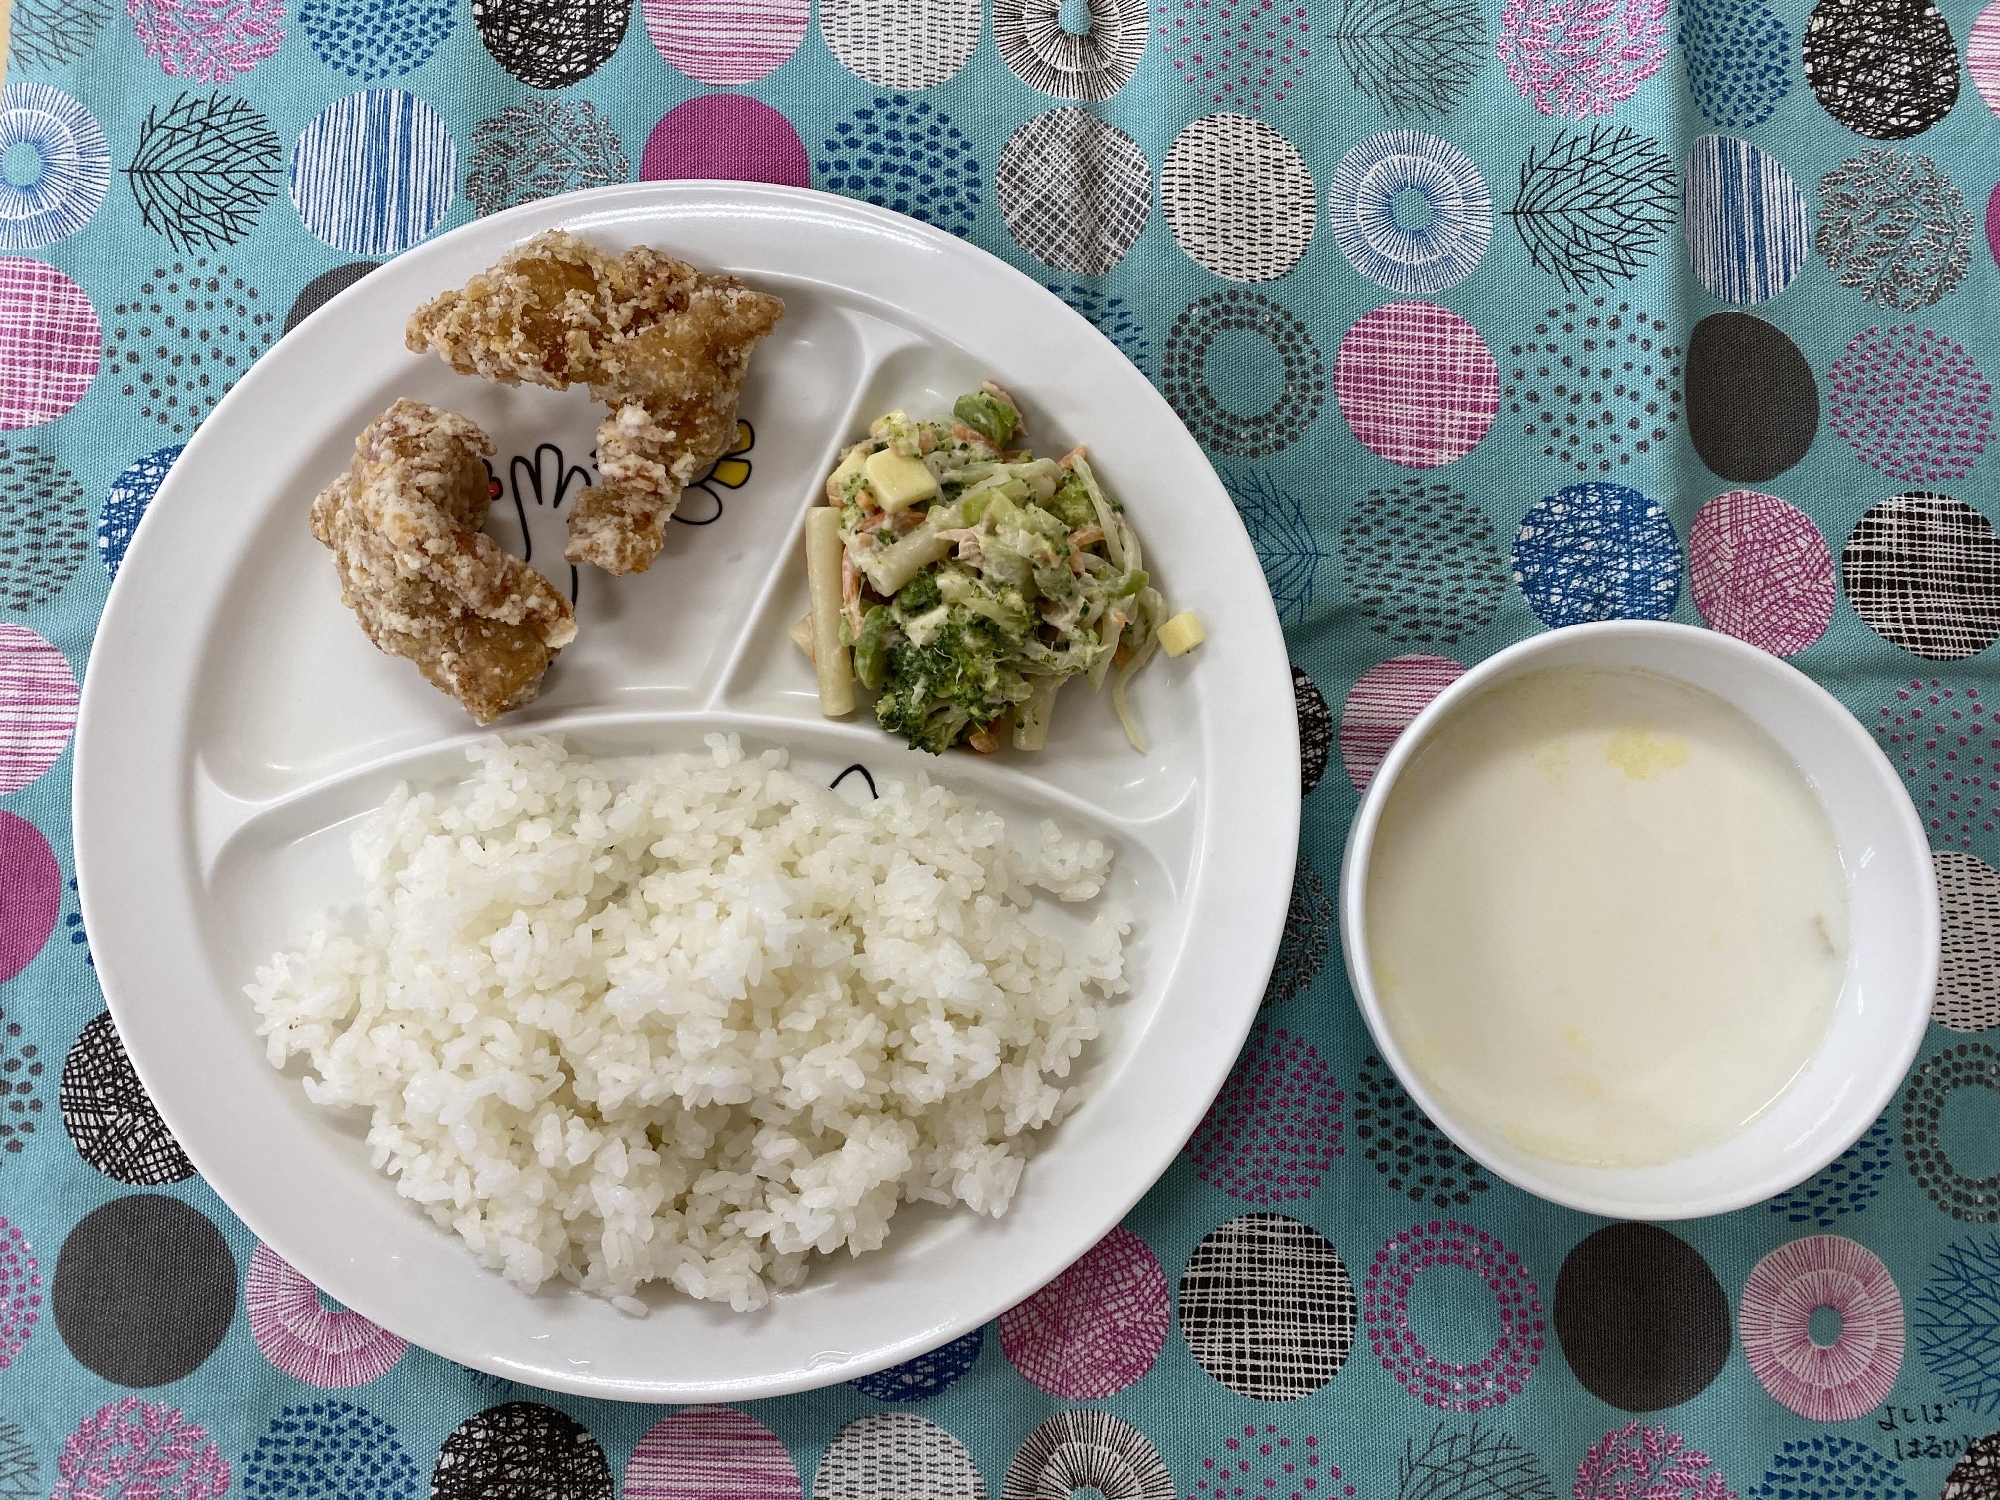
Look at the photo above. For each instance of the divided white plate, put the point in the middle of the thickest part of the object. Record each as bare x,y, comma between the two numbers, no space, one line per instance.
235,722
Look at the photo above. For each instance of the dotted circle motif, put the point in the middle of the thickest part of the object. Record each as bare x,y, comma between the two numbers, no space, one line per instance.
895,1456
328,1347
549,44
1184,374
1090,67
1597,552
1239,197
44,527
905,154
1273,1132
38,700
1267,1308
707,1451
1847,1184
1083,1449
185,339
1385,1309
329,1450
125,504
1096,1328
1457,211
1738,59
1417,1160
1911,402
1597,385
20,1067
1264,1462
1075,192
1948,781
521,1448
1975,1200
1243,54
1976,1476
1923,572
1833,1382
1894,228
1113,316
375,39
1761,571
927,1375
376,172
1953,1318
1824,1464
1421,563
50,343
1968,991
145,1288
1309,918
70,172
1747,227
1643,1322
897,44
1417,384
1384,701
110,1120
20,1291
1883,68
1316,731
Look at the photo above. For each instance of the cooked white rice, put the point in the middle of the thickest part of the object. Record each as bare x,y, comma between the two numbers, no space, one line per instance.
692,1017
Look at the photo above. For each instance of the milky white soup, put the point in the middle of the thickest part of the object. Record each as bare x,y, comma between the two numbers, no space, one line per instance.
1606,916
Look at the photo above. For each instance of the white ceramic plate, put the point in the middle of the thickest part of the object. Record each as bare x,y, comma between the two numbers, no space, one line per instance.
235,722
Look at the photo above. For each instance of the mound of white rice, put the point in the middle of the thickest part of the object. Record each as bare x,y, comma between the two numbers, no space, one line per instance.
692,1017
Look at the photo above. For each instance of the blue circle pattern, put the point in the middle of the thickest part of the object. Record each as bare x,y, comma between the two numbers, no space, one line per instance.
1845,1185
905,155
130,494
1747,226
1362,205
1738,55
374,172
926,1375
329,1450
72,166
1112,316
1597,552
1829,1465
371,39
1956,1318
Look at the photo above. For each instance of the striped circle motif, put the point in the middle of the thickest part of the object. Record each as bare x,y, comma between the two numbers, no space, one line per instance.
1833,1382
1385,1309
1761,571
901,44
50,342
1747,227
68,166
707,1452
1074,191
375,172
1083,1449
1410,211
299,1334
1239,198
1597,552
1982,55
1096,1328
1090,67
895,1456
1417,384
1968,991
726,41
1384,701
38,697
1923,572
1267,1308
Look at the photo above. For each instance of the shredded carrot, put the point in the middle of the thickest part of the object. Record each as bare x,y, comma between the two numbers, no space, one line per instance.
1085,536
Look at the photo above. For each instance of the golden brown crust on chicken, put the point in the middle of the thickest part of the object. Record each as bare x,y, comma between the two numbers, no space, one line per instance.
403,526
664,345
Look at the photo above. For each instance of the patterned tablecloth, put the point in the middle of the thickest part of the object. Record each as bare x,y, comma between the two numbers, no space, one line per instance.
1495,315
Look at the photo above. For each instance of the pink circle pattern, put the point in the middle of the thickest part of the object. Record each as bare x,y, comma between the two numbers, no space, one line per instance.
1638,1462
30,893
1993,224
1823,1383
1383,703
50,342
1578,58
1273,1132
1761,571
711,1453
207,41
38,697
1385,1313
728,136
1097,1327
726,41
1237,53
1417,384
332,1348
20,1291
133,1448
1982,56
1944,740
1912,403
1265,1464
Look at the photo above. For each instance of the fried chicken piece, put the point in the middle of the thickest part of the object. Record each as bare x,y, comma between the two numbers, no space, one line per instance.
403,526
665,346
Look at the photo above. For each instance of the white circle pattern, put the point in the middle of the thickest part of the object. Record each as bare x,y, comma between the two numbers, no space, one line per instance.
1239,197
1074,191
901,44
1361,203
1090,68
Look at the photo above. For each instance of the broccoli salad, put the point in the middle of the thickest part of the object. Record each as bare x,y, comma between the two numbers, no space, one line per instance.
963,580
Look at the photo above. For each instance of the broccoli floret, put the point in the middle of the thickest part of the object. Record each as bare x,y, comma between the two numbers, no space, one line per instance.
954,683
1072,504
989,416
918,596
871,647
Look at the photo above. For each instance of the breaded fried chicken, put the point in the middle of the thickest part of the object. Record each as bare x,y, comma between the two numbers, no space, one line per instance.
403,526
664,345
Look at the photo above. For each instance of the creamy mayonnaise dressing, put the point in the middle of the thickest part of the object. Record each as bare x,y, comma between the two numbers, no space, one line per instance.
1607,918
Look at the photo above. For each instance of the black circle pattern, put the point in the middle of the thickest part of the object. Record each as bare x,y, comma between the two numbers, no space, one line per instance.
323,288
1753,406
1184,374
1267,1308
1923,571
1398,1139
184,340
1086,1449
522,1450
112,1123
1422,564
1596,385
1309,917
1643,1321
1315,730
551,44
145,1289
1976,1476
20,1066
1976,1200
44,527
1883,68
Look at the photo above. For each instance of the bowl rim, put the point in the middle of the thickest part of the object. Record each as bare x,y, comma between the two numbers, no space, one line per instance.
1877,1088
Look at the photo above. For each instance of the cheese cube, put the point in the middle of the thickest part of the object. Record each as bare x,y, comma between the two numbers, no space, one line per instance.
1181,634
898,480
836,482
